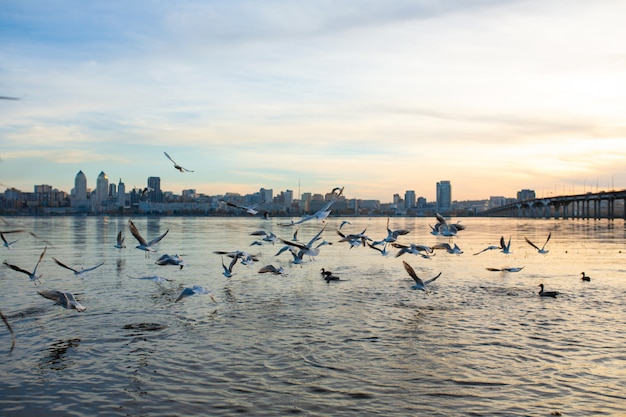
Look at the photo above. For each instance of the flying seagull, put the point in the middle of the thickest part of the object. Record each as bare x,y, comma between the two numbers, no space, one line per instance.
419,284
120,241
178,167
249,209
65,299
32,275
5,243
77,272
196,289
543,249
143,245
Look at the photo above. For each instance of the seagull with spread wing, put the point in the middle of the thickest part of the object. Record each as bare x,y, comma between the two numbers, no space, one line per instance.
252,209
77,272
543,249
5,243
419,284
178,167
32,275
64,299
143,245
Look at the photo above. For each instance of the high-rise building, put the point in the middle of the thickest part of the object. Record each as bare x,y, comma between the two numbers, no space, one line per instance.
80,186
155,195
267,195
409,199
121,194
102,191
287,197
444,196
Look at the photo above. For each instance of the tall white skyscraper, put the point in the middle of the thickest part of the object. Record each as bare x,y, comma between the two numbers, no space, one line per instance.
80,186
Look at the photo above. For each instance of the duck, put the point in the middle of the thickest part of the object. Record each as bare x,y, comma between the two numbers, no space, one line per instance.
585,277
543,293
328,275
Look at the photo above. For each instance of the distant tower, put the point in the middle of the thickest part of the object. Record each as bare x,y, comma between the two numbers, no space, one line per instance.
155,195
121,194
102,191
444,196
80,186
409,199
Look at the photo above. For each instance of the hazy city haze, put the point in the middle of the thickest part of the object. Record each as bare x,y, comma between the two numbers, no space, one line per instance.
381,97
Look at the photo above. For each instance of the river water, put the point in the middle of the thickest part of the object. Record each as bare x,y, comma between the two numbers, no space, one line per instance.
482,343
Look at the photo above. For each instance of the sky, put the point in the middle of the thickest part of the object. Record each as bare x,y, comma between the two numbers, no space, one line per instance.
380,97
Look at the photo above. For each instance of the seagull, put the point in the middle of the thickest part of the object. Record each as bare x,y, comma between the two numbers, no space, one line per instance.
444,228
297,255
65,299
322,213
166,259
513,269
547,293
392,235
414,249
419,284
196,289
228,271
246,258
504,247
143,245
32,275
272,269
454,250
490,247
252,209
383,251
308,249
543,249
120,241
79,273
5,243
178,167
343,223
154,278
585,277
268,236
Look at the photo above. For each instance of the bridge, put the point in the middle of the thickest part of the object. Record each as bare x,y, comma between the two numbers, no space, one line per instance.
598,205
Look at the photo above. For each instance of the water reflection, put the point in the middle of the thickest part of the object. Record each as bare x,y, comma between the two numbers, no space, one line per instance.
58,355
79,229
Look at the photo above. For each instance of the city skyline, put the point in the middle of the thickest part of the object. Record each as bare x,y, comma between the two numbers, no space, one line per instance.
379,97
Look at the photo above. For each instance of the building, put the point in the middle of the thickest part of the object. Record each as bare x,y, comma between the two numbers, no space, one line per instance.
155,195
444,196
524,195
267,195
121,194
409,199
80,186
102,192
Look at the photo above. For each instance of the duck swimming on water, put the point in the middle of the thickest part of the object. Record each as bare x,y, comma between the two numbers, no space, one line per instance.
547,293
585,277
